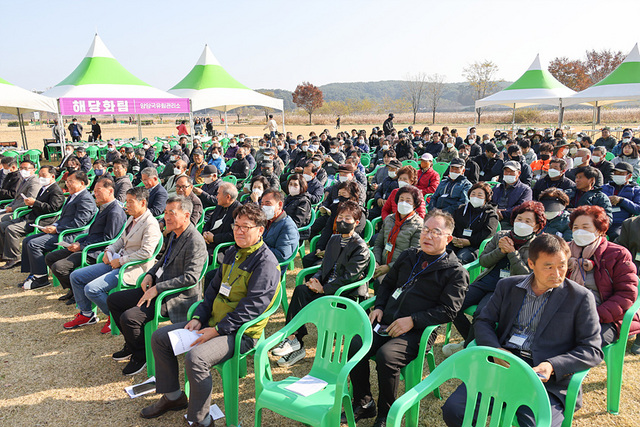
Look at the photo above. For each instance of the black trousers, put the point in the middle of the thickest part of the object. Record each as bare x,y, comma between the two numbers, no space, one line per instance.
62,263
130,318
476,295
392,354
302,296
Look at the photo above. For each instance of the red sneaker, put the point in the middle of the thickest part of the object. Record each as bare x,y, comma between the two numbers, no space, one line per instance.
81,320
106,329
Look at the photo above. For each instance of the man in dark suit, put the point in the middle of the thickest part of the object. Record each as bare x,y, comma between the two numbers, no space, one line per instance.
548,321
157,193
108,223
218,228
85,161
77,212
179,266
143,163
12,178
48,200
240,168
28,187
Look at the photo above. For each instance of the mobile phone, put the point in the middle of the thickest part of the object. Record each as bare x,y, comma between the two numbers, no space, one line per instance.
142,388
381,330
541,376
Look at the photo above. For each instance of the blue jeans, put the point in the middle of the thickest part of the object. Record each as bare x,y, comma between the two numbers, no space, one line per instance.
92,284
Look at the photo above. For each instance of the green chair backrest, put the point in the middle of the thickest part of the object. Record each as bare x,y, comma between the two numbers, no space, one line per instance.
509,388
10,154
609,156
367,234
440,168
230,178
365,159
413,163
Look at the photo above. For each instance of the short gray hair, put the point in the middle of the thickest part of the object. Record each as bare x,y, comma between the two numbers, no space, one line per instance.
229,189
186,205
150,172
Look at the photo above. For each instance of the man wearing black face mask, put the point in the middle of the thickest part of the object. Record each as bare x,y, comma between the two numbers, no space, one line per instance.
240,168
266,170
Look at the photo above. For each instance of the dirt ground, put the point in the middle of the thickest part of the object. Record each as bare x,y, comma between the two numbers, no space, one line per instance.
53,377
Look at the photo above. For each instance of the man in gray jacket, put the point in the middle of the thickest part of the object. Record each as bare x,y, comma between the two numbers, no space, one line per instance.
179,266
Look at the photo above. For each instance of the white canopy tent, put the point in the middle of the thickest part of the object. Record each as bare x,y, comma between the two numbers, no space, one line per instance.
100,75
15,100
209,85
623,84
536,86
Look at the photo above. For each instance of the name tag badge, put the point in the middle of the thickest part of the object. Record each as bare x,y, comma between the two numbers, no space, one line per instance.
397,293
638,256
388,247
225,289
217,224
159,272
504,273
445,195
615,209
336,200
517,339
467,232
481,173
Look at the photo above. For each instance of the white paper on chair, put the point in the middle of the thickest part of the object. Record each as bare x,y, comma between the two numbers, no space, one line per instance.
110,256
39,227
181,340
307,385
63,244
2,211
214,411
143,390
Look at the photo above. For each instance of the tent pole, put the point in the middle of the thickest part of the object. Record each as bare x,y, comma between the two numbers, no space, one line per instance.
22,129
593,122
191,124
560,115
63,138
226,125
139,129
284,129
513,118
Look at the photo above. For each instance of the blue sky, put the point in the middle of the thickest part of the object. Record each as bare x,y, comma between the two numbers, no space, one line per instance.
278,44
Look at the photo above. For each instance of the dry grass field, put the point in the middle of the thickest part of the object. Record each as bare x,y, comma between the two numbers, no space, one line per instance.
53,377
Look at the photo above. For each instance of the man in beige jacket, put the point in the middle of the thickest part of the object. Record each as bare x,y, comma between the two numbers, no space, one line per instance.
92,284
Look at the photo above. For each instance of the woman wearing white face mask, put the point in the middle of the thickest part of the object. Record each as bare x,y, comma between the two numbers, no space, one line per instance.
603,267
297,204
475,221
399,232
259,185
407,176
505,255
555,202
624,196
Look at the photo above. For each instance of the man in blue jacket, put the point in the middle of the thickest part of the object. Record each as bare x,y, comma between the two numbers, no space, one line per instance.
281,234
157,194
77,212
624,196
510,193
453,189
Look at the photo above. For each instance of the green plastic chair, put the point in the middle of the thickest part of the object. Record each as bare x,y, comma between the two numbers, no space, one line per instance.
284,266
201,221
338,321
373,172
314,215
92,152
151,326
609,156
236,367
230,178
64,233
412,373
11,153
375,221
412,163
510,388
121,283
34,156
365,160
367,233
440,168
614,358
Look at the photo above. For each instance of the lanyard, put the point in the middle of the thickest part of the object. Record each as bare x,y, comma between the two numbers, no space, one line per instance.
412,277
474,219
581,269
168,253
534,314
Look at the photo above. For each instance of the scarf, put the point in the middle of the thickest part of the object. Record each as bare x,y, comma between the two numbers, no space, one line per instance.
394,233
578,253
519,241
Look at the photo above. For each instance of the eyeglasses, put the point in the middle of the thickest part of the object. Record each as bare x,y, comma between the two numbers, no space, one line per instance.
243,228
182,187
436,232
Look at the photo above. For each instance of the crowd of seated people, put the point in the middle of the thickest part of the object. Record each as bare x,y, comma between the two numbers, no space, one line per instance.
119,232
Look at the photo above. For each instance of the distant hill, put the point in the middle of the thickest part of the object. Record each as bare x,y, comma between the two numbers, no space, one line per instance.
454,97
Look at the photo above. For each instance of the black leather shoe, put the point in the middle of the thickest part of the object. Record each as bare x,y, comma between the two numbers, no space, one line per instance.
66,296
71,301
361,412
380,422
164,405
10,264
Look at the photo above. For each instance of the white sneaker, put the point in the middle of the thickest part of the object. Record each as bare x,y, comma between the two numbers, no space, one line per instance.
449,349
293,357
286,347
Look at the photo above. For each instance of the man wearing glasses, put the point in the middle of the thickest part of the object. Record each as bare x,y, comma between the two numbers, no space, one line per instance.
184,187
425,286
244,287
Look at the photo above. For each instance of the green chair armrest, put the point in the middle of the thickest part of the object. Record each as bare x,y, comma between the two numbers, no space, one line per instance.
21,211
216,250
366,279
305,272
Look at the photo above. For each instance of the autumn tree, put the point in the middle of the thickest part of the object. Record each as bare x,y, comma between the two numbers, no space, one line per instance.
415,87
579,74
434,89
481,76
308,97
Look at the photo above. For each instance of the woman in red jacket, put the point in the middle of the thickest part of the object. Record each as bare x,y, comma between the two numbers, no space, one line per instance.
406,176
603,267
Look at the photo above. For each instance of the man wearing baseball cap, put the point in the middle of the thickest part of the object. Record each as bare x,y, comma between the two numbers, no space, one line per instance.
624,195
453,189
489,163
510,193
